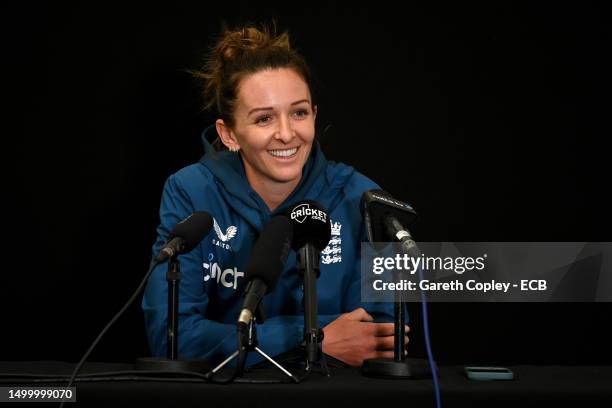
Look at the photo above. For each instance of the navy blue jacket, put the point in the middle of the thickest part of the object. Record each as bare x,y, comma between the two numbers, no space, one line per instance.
213,273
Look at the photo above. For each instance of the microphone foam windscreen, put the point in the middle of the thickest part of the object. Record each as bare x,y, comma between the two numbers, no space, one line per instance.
270,251
311,225
192,229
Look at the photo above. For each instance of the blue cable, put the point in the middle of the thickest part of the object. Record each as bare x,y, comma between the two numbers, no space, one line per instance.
434,371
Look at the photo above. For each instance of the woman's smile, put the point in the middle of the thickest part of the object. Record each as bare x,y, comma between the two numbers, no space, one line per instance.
284,155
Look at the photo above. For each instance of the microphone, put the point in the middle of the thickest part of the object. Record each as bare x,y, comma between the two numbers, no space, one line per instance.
312,231
386,217
185,236
266,264
311,225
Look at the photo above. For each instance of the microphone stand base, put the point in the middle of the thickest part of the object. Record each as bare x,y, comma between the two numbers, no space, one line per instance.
413,368
164,364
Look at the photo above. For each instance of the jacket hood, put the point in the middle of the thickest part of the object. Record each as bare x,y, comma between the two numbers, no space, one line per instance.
322,180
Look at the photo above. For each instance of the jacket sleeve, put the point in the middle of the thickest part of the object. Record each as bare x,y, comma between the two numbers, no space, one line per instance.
200,337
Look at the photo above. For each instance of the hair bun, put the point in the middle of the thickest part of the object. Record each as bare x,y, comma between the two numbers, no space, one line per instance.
249,39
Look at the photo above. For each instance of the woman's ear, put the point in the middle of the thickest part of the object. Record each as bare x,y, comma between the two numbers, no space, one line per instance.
227,136
314,112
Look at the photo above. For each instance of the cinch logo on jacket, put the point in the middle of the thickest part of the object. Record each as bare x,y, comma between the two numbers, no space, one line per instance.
222,238
227,277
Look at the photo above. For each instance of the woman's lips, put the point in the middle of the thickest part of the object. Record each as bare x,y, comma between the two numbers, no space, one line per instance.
284,154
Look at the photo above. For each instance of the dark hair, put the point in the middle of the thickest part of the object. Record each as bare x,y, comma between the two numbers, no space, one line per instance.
241,52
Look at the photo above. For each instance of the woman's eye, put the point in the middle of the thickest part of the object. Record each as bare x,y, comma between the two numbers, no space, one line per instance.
263,120
301,113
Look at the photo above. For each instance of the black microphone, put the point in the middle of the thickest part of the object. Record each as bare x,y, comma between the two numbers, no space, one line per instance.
266,264
186,235
311,225
312,231
387,218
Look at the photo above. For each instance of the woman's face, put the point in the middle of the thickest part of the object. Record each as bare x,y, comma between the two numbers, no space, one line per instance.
274,125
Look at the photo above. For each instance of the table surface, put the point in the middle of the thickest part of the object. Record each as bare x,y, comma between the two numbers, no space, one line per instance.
533,386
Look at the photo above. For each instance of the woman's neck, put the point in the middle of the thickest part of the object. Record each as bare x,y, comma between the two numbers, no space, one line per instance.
272,192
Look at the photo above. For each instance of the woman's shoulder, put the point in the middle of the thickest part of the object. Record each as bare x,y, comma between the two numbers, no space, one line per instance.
348,178
193,188
191,174
192,177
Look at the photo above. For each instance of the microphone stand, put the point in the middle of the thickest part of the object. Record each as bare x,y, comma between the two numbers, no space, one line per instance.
173,276
172,361
399,366
248,342
308,267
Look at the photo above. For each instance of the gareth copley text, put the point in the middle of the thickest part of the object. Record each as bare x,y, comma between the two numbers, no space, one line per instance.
458,286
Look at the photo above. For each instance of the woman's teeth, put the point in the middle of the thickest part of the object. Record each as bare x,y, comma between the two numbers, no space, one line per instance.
283,153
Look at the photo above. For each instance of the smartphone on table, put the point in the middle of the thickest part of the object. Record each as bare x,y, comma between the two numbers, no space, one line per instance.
488,373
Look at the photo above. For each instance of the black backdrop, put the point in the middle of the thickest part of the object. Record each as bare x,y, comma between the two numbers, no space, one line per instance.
492,120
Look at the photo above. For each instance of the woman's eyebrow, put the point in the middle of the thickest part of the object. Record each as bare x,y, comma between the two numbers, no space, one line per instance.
270,108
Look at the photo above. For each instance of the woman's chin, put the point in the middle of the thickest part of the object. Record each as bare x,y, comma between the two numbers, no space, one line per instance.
287,176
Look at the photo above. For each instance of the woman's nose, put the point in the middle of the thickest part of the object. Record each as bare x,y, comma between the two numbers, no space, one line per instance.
285,131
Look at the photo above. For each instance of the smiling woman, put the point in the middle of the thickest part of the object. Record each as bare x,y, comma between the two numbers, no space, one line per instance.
261,90
264,160
274,129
